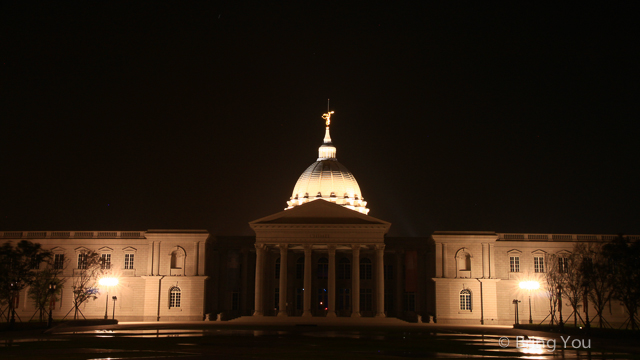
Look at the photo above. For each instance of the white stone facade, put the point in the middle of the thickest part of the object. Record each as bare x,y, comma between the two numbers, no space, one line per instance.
480,263
157,261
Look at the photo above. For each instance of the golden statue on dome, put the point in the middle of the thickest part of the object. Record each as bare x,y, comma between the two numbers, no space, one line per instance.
327,115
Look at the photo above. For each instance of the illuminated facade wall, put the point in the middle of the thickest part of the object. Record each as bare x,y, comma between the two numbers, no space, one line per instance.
150,265
487,267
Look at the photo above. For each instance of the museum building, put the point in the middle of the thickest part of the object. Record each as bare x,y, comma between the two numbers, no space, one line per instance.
323,256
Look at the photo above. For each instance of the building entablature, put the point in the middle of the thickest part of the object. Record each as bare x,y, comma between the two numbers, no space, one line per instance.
36,235
320,236
177,235
307,227
322,247
465,236
560,237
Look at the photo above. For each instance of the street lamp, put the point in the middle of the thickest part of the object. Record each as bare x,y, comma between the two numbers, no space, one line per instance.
114,298
529,285
52,291
560,307
14,287
517,320
107,282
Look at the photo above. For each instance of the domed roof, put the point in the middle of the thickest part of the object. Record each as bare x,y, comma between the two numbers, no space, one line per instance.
328,180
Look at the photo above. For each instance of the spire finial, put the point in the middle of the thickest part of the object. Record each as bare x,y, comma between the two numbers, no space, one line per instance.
327,116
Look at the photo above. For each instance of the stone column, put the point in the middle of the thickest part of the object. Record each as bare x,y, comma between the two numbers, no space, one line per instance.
355,278
244,289
492,262
332,281
307,281
152,258
445,261
380,280
284,250
156,263
485,261
196,248
399,282
259,305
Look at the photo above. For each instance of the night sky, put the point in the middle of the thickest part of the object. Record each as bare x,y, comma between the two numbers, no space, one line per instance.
511,117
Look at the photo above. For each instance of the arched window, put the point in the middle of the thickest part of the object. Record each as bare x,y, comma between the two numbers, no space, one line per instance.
278,268
174,297
365,269
300,267
323,268
344,269
465,300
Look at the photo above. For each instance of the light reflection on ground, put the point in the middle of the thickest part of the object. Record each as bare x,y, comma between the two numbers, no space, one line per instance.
529,348
419,344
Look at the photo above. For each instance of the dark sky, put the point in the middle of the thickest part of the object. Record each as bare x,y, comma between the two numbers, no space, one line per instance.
512,117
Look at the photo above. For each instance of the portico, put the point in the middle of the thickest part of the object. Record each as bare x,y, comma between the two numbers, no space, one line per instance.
325,257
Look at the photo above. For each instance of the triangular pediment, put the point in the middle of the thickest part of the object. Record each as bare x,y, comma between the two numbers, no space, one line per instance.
319,212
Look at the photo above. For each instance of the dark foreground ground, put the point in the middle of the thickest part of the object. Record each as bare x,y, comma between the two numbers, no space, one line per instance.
214,340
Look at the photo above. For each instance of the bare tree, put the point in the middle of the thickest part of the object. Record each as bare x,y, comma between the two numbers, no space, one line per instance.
572,281
624,260
41,291
18,270
597,274
84,280
551,285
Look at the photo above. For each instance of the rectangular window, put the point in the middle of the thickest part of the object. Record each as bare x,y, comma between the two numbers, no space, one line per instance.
277,274
514,264
563,265
235,301
409,301
366,271
82,261
105,261
58,261
538,264
366,299
344,270
388,272
128,261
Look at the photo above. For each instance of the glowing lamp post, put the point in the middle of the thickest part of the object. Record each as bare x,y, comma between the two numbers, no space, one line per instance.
108,282
530,286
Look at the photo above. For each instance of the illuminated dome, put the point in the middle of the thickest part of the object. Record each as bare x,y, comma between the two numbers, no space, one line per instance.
328,180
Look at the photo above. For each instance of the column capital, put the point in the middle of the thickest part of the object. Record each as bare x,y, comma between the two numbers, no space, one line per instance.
284,246
356,247
331,249
379,246
308,247
260,246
